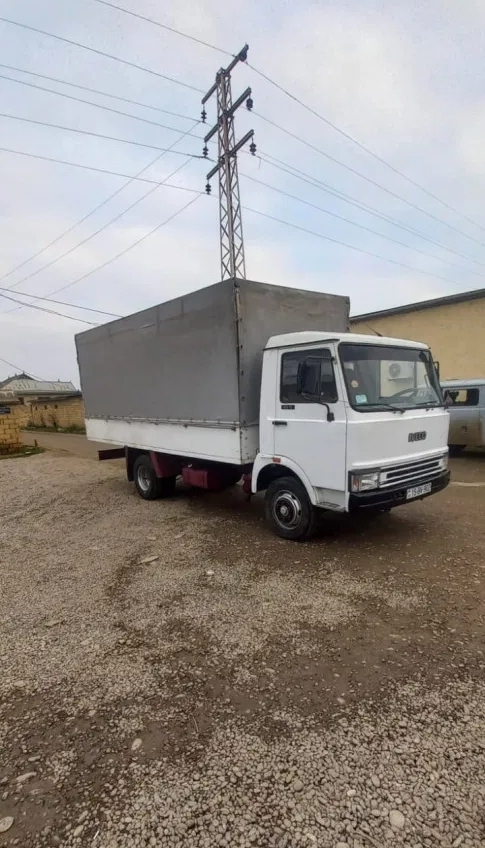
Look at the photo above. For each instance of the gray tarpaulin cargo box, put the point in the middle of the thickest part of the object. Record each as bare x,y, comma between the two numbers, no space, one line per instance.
195,360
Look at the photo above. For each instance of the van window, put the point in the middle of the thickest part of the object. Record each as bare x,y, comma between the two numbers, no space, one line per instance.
463,397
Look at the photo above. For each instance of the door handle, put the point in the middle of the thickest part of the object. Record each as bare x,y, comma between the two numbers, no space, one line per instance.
280,423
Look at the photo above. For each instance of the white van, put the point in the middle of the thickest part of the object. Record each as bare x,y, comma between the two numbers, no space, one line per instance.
465,400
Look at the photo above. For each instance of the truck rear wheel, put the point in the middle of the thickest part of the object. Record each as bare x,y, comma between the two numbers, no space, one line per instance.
289,510
148,485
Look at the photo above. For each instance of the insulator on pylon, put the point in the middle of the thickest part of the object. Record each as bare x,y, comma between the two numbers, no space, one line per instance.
203,115
205,151
208,188
252,148
249,104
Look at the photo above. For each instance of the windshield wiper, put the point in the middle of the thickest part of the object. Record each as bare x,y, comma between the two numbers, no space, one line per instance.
391,406
376,407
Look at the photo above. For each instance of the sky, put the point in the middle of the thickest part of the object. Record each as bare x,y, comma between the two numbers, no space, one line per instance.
404,79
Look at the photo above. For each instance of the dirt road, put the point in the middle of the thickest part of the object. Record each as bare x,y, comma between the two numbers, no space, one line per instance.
68,442
172,675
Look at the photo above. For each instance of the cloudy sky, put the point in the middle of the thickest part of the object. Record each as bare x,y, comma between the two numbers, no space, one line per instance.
405,79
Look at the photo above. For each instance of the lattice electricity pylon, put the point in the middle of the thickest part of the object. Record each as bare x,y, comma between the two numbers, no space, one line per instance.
233,263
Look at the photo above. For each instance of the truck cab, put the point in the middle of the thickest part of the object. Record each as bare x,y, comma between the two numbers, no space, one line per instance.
347,422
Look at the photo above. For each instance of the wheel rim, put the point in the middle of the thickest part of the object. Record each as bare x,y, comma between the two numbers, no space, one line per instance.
144,479
287,510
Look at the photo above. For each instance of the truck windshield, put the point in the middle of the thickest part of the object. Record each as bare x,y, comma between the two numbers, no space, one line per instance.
388,377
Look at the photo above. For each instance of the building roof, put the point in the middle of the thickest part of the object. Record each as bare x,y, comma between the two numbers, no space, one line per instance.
23,376
8,398
449,300
313,337
28,386
57,398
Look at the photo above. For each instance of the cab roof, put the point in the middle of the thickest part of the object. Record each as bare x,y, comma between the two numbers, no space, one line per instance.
315,337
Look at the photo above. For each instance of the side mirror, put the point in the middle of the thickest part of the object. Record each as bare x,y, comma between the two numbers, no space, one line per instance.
308,378
300,377
308,383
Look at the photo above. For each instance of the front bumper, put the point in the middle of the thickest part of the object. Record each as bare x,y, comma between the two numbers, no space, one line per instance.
395,496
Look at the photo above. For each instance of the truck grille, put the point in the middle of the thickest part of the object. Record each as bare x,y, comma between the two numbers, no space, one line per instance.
410,472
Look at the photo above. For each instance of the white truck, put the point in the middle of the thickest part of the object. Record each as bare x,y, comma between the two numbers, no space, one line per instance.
244,381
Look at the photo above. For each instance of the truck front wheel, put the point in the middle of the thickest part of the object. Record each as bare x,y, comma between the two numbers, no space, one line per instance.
148,485
289,510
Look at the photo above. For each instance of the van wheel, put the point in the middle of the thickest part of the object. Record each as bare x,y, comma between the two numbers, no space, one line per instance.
148,485
456,450
288,509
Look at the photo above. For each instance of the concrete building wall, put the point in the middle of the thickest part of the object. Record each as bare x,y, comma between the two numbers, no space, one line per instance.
23,413
455,333
63,413
10,425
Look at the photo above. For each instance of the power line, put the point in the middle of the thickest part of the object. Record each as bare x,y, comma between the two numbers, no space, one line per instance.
93,211
309,109
18,368
58,302
101,53
97,232
130,246
363,147
356,224
350,246
92,168
48,311
286,168
164,26
96,105
96,91
367,179
103,265
100,135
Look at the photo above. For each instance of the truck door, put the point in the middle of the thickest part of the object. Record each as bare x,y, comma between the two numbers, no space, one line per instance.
310,424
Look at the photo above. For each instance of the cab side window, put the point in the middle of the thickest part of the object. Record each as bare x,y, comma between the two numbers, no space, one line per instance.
308,377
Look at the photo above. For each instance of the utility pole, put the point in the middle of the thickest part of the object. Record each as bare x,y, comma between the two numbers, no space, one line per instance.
233,264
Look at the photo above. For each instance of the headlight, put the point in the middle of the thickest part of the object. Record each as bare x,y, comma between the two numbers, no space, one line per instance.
364,481
444,461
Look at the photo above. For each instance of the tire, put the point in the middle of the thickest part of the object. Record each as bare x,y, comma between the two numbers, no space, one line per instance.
456,450
288,509
148,485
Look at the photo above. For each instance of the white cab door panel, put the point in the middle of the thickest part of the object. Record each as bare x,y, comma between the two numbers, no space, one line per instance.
308,389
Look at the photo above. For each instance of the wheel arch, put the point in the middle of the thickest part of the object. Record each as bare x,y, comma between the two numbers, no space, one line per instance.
164,465
267,471
131,455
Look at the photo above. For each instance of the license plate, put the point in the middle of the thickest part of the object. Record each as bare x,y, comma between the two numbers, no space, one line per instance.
418,491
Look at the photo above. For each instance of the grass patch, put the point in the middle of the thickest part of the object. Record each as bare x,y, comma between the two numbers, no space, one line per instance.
27,450
74,429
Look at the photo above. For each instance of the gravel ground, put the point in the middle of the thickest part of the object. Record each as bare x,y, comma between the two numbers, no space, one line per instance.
172,675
